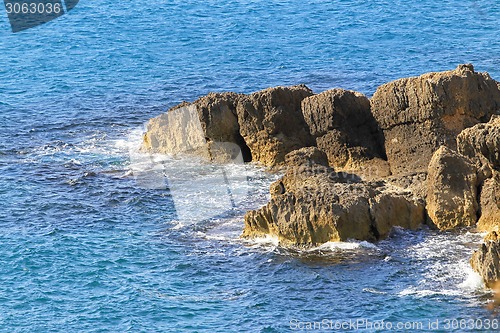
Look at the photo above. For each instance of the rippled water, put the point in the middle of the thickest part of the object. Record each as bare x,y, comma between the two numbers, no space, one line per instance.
84,248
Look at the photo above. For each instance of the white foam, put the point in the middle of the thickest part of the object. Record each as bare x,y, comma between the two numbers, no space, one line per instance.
443,261
473,281
374,291
266,240
178,225
419,293
368,245
351,245
333,246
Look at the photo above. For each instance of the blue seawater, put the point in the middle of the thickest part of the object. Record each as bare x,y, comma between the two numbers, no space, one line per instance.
84,249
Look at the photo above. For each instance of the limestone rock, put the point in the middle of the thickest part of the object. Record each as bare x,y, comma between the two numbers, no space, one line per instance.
415,183
486,260
417,115
272,124
217,112
315,205
390,209
306,156
175,132
490,204
451,190
344,110
482,143
201,127
343,125
335,145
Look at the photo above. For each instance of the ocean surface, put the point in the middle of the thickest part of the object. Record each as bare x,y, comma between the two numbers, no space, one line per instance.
85,247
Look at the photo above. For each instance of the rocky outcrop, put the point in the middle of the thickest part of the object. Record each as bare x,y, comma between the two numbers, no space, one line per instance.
451,190
415,183
344,110
272,124
198,128
343,116
306,156
355,167
418,115
177,131
481,143
464,186
344,128
315,205
486,260
490,204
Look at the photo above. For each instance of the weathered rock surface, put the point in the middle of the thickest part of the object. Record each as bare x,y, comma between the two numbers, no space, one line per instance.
490,204
415,183
199,127
316,205
486,260
482,143
306,156
177,131
272,124
417,115
341,109
356,167
451,190
343,126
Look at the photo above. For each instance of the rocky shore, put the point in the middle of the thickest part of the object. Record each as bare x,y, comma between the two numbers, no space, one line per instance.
422,150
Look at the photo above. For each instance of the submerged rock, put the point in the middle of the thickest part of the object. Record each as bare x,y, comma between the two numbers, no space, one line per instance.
417,115
486,260
451,190
314,205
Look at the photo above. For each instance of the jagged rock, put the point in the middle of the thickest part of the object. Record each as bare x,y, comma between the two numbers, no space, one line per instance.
341,109
201,127
451,190
335,145
306,156
416,183
359,160
315,205
490,204
389,209
481,143
177,131
392,137
417,115
486,260
272,124
342,124
217,112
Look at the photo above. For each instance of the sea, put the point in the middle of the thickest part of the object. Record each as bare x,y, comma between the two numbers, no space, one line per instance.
88,245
